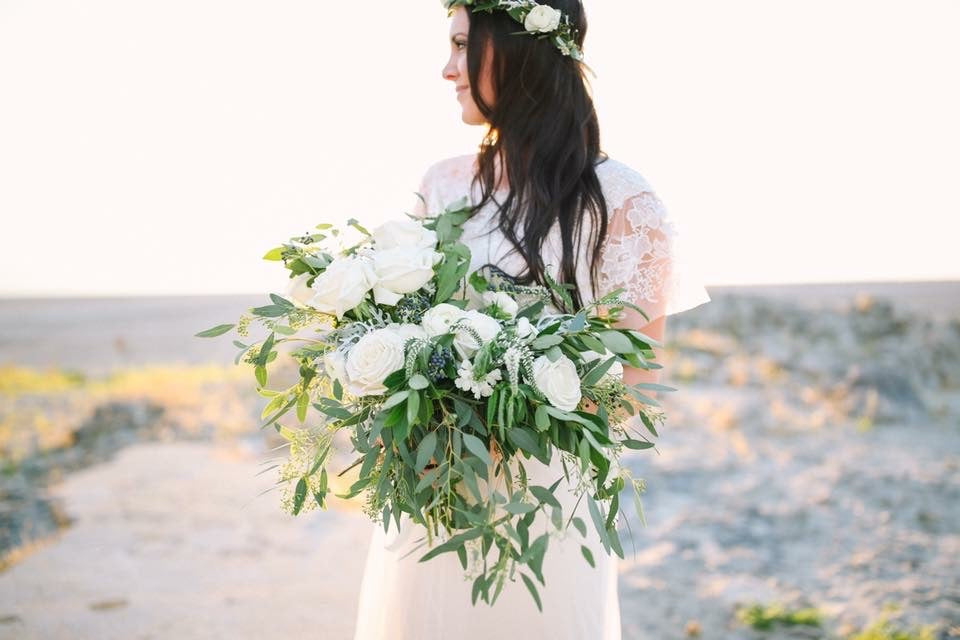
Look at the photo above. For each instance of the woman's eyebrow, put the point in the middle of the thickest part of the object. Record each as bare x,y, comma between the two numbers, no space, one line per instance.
459,33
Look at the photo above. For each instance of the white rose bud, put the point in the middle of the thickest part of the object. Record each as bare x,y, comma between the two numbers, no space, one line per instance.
343,285
526,330
297,290
401,270
375,356
485,326
437,320
542,18
334,363
404,233
558,381
615,370
502,301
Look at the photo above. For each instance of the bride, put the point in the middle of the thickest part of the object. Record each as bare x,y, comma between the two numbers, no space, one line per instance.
545,199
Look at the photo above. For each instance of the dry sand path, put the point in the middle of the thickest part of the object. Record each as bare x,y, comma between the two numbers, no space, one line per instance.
170,541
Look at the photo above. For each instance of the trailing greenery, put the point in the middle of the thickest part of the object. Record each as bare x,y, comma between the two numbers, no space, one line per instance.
446,381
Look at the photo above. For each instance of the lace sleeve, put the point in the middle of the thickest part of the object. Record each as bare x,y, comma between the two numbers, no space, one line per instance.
640,255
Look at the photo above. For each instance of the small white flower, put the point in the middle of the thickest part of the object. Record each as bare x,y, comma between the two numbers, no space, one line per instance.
558,381
542,18
511,360
482,388
502,301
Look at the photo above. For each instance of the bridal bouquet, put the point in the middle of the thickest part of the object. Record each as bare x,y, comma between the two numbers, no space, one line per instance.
442,378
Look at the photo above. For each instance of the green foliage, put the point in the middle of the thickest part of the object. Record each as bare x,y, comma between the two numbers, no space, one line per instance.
433,443
764,617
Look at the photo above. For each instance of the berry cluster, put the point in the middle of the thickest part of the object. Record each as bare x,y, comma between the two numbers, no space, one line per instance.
411,308
439,359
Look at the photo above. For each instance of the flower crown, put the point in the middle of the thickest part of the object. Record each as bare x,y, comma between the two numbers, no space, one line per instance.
540,20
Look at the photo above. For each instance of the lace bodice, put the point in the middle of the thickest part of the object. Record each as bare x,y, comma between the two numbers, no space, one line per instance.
643,252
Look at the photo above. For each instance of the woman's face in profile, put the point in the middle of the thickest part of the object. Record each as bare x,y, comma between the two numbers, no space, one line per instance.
456,69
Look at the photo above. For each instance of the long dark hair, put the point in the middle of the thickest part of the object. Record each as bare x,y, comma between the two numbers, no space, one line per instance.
543,128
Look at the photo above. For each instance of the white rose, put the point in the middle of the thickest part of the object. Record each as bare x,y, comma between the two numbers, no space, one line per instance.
375,356
343,285
297,290
502,301
615,370
526,330
401,270
334,363
404,233
437,320
558,381
542,18
407,330
485,326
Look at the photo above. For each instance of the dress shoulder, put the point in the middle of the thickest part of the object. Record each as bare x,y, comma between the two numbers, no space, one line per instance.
620,181
443,181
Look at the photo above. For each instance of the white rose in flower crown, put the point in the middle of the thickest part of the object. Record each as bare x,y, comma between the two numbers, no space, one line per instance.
487,328
437,320
558,381
343,285
375,356
401,270
297,290
542,18
404,233
502,301
615,370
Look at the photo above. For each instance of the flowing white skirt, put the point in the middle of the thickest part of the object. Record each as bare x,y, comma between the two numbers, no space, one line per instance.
403,599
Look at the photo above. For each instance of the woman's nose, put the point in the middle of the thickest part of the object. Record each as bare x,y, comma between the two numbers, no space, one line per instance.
449,71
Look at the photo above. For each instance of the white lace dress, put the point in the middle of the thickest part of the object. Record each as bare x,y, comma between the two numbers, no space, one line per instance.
403,599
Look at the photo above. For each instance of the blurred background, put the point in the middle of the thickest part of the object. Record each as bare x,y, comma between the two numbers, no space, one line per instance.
150,154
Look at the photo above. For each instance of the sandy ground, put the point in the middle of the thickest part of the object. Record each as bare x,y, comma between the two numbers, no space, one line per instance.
812,457
170,540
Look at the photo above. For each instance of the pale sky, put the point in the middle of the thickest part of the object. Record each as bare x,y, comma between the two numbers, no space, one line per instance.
157,148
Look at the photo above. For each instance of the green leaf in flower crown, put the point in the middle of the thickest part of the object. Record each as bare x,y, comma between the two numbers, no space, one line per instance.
213,332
